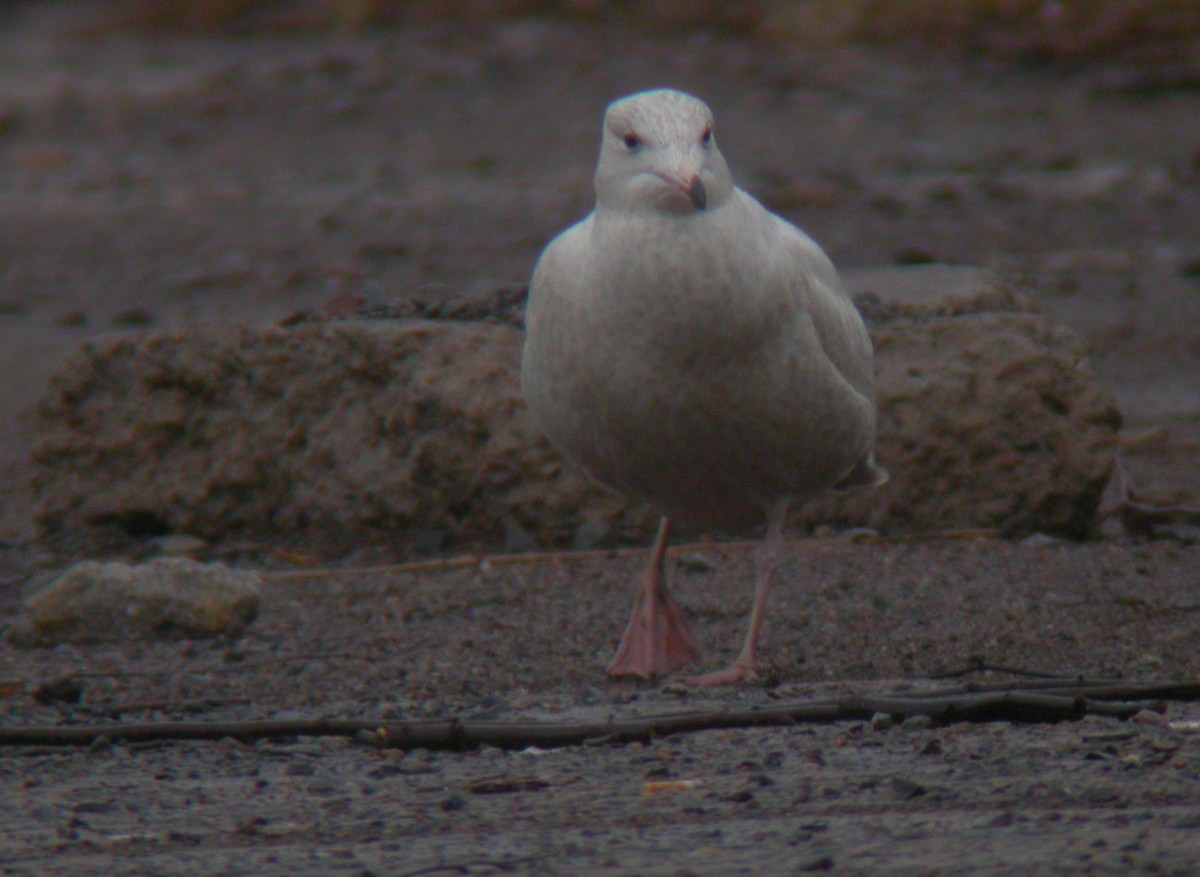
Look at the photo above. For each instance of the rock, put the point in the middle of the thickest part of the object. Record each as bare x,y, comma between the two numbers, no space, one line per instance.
110,602
917,723
342,434
1150,717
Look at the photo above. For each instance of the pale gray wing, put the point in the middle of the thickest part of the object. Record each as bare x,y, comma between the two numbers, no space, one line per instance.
840,331
839,326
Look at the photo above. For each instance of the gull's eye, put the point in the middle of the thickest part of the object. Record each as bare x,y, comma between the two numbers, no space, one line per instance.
631,141
706,137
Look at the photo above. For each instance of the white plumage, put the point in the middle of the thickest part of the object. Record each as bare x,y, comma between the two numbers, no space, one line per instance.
689,347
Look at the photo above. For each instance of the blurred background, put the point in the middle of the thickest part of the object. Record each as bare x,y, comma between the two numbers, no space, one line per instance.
168,162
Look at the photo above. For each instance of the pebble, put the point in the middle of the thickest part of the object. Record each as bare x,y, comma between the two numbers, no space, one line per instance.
917,723
1149,717
1041,540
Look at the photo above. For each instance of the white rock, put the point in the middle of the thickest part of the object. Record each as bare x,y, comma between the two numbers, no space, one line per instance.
97,601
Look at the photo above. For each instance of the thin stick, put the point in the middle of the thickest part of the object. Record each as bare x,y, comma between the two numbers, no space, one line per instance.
1068,702
472,561
978,665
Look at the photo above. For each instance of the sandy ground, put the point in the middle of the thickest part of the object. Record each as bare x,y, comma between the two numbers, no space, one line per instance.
530,641
163,181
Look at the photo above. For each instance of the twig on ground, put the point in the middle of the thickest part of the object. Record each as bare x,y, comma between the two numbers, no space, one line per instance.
231,667
1064,701
465,867
929,536
976,664
472,561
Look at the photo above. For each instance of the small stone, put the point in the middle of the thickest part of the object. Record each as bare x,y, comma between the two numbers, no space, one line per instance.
1041,540
1149,717
111,602
881,721
859,534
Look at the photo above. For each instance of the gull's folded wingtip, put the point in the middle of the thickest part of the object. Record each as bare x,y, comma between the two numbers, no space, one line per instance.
866,473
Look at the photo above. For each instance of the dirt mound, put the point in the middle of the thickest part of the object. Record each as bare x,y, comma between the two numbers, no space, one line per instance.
411,433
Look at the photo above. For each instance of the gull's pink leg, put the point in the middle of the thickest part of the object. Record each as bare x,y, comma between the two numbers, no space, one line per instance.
657,639
766,559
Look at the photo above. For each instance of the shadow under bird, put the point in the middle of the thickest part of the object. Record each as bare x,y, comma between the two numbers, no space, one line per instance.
686,346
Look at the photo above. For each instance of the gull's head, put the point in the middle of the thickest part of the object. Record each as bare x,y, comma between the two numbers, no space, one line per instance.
658,154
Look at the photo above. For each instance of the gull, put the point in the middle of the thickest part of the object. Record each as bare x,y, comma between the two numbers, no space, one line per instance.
688,347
